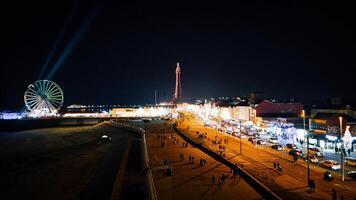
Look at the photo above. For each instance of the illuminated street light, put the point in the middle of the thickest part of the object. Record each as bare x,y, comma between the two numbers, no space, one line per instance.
240,138
342,153
308,158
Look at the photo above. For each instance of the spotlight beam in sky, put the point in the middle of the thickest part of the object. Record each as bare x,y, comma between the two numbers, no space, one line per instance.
59,39
73,42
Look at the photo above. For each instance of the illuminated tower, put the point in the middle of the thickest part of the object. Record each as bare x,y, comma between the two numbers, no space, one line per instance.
178,90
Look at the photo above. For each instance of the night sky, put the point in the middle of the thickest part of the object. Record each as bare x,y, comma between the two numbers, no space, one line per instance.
127,49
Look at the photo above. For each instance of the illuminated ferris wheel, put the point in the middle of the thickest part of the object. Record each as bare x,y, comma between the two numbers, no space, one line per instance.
43,96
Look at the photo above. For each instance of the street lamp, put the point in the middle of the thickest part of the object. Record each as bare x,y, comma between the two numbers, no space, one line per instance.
342,152
308,159
240,138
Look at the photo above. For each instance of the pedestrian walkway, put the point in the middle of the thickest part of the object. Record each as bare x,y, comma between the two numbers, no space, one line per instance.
191,178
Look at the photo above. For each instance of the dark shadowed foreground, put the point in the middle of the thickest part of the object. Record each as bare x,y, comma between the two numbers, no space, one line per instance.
70,163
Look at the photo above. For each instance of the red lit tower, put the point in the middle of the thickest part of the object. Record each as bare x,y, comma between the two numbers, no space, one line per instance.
178,89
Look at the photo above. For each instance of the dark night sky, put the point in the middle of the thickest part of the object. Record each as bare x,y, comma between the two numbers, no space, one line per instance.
286,49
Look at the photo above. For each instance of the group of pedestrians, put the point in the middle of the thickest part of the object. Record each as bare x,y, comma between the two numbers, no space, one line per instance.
185,144
221,180
163,140
191,159
175,139
181,157
202,162
334,195
276,165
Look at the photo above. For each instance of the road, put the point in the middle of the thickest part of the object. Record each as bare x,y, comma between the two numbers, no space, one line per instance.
328,154
258,161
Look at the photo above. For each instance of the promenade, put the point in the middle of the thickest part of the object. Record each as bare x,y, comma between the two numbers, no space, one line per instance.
189,181
258,161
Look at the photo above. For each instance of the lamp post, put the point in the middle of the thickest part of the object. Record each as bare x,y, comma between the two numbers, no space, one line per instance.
342,152
308,158
240,138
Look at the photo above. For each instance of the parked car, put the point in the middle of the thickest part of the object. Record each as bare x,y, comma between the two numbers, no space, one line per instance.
261,142
296,151
330,164
273,140
313,159
350,161
291,146
277,147
315,151
352,174
251,139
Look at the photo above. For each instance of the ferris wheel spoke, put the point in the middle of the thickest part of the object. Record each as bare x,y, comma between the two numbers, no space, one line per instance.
59,102
56,103
30,95
53,88
36,105
38,87
58,96
50,87
45,85
32,90
57,91
56,100
31,103
30,98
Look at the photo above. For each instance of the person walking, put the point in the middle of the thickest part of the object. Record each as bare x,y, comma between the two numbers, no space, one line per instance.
333,194
190,159
274,164
312,185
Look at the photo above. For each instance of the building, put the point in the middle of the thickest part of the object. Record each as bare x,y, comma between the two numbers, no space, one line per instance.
325,130
333,109
271,109
146,111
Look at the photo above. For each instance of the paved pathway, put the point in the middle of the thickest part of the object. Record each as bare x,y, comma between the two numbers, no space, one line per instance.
191,181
